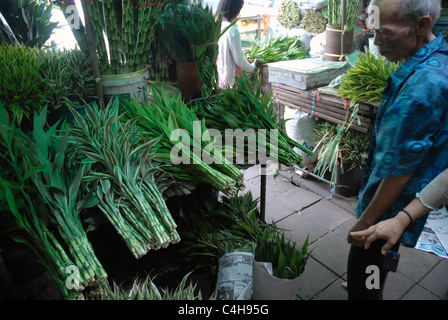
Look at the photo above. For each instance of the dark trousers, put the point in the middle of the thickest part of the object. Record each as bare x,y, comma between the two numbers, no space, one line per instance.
358,272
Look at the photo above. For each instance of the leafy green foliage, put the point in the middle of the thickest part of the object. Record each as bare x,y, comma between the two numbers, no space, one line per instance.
210,230
21,88
29,20
123,175
164,117
288,261
366,79
146,289
68,75
192,32
278,49
244,107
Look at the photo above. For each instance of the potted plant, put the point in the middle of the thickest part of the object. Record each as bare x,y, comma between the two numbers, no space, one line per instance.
343,153
354,152
68,76
277,266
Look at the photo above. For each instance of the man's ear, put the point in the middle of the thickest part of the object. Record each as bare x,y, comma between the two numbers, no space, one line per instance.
424,25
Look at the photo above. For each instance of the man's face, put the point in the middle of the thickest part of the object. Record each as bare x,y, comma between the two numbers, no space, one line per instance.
394,39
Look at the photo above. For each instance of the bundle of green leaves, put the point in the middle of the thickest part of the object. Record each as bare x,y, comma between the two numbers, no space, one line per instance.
211,229
288,261
192,33
21,87
68,76
277,49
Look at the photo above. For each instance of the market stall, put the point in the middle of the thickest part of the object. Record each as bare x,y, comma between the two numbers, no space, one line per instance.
127,157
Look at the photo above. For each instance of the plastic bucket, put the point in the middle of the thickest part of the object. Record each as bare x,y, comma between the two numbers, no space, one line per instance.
234,276
127,86
333,43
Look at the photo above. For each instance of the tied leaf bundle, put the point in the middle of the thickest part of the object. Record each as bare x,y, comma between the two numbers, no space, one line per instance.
68,76
278,49
247,109
124,177
169,119
211,230
367,79
192,33
41,198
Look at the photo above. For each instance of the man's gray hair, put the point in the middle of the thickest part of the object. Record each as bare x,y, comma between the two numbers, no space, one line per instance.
412,10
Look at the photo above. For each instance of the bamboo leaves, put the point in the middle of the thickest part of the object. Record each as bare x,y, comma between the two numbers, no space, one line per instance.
278,49
247,109
121,161
170,116
288,261
366,80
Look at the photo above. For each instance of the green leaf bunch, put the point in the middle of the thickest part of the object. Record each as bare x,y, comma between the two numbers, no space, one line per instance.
366,80
288,261
278,49
245,107
144,288
68,75
160,119
211,229
41,199
124,176
21,87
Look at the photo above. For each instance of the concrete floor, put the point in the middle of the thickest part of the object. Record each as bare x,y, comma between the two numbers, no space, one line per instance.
301,207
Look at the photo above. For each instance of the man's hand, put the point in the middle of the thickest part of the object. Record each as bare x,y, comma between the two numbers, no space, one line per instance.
390,230
385,196
360,225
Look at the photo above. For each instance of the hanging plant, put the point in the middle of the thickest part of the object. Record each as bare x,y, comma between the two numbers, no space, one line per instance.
289,14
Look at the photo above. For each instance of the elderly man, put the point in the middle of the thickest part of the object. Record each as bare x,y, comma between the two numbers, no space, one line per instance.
409,145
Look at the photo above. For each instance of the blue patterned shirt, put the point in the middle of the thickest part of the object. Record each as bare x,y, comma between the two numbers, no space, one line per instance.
410,136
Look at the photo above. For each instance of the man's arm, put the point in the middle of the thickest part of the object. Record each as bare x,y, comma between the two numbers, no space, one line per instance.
387,193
